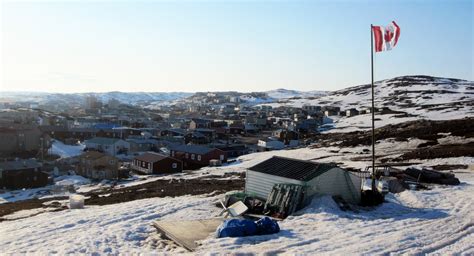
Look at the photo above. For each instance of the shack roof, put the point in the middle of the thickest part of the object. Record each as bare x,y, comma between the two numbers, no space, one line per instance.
194,149
20,164
103,140
292,168
142,141
152,157
202,120
92,155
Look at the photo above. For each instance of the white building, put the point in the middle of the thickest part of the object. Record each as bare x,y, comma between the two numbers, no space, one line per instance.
270,144
110,146
318,178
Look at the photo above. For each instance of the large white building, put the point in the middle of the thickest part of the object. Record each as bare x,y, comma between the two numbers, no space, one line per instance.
317,178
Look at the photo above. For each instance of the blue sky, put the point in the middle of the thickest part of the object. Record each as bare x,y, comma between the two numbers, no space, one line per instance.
80,46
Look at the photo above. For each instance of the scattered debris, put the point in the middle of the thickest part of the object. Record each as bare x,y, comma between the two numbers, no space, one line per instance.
394,185
236,209
76,201
431,176
448,167
284,200
371,198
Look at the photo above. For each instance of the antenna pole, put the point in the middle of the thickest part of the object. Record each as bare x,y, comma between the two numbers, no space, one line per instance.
373,105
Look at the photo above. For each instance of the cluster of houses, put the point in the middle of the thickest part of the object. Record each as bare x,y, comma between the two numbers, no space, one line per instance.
206,129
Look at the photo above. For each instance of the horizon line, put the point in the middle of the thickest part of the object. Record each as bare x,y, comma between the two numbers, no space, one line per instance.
170,92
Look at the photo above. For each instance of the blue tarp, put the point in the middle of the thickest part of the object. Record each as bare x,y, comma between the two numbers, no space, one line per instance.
266,226
239,228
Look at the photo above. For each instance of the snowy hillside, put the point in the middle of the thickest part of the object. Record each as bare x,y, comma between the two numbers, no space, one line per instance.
415,97
286,94
430,97
423,96
133,98
137,97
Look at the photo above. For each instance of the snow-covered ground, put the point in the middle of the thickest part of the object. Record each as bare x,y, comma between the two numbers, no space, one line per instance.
364,122
65,151
23,194
436,221
71,180
47,191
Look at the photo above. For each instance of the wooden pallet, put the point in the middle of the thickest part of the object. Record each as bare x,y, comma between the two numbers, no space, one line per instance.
186,233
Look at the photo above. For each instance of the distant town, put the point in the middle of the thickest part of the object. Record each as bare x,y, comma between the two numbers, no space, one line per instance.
204,129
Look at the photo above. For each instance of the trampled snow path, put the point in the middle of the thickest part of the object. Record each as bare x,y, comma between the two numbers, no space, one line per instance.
434,221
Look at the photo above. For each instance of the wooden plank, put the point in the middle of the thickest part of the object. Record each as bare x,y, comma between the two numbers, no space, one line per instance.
259,216
186,233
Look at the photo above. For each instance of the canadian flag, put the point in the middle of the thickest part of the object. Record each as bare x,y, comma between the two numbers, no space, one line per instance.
386,38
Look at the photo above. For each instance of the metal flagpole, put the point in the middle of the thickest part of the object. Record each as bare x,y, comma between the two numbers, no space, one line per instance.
373,105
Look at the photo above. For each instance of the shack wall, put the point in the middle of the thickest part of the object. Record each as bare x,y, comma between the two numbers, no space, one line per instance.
336,182
261,184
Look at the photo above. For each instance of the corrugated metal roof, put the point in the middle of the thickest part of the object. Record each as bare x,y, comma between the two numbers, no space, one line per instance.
292,168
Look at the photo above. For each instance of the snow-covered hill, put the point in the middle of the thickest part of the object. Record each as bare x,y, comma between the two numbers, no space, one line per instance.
137,97
425,96
133,98
286,94
418,97
153,98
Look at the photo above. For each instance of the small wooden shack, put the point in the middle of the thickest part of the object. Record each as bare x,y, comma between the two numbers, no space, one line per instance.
20,174
154,163
317,178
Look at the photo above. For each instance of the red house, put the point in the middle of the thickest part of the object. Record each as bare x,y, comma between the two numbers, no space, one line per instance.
22,174
195,157
154,163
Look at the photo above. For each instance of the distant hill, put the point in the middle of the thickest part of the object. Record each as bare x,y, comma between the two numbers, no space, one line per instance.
423,96
151,98
414,97
286,94
133,98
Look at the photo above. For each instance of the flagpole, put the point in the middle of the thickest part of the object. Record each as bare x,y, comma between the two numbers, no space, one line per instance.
373,105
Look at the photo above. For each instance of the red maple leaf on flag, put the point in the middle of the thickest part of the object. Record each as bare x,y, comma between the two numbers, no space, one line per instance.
388,35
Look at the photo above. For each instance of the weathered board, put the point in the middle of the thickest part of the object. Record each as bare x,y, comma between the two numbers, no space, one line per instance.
186,233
